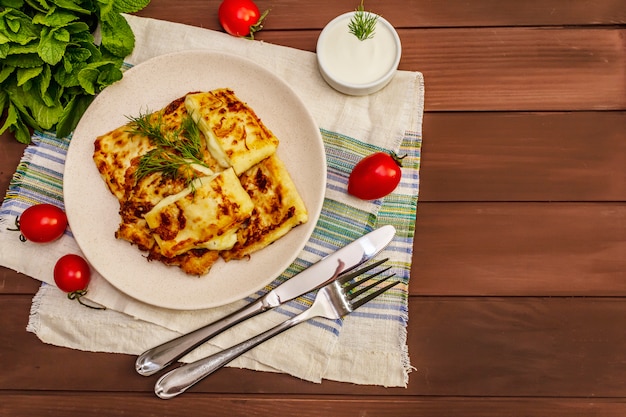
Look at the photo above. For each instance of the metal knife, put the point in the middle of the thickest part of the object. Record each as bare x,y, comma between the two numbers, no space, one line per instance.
315,276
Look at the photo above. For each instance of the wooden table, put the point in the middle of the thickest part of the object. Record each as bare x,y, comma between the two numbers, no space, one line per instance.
518,288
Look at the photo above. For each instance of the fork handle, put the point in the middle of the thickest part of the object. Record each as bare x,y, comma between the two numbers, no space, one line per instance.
178,380
157,358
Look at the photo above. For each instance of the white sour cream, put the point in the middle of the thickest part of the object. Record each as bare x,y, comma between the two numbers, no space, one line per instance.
352,61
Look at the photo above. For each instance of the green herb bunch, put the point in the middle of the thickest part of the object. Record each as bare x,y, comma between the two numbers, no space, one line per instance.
51,66
363,24
176,152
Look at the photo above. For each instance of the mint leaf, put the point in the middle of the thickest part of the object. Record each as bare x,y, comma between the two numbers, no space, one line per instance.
29,48
67,74
18,99
94,77
11,118
21,132
33,110
6,71
52,44
54,18
16,4
43,81
4,49
72,6
109,74
17,27
4,98
88,78
117,36
129,6
15,125
80,28
46,116
105,8
23,60
39,5
25,74
72,113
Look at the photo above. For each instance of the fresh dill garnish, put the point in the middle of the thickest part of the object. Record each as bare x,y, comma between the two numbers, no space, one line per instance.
177,151
363,24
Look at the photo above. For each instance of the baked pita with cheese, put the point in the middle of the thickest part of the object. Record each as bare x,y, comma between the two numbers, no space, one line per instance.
278,207
235,135
199,180
205,215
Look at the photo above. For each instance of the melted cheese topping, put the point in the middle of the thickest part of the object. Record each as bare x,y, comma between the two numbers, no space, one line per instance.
235,135
203,215
114,154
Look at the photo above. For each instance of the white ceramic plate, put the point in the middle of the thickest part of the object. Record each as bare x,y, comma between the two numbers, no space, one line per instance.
93,211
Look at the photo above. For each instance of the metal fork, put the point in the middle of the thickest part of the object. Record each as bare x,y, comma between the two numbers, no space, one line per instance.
333,301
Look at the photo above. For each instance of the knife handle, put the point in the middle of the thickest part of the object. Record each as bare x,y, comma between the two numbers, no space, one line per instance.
157,358
180,379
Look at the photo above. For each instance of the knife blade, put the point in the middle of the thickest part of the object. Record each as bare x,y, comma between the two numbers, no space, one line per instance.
315,276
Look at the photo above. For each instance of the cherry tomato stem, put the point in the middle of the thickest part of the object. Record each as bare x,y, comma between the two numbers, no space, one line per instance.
78,296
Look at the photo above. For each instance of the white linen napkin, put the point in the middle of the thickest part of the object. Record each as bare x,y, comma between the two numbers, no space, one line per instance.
367,347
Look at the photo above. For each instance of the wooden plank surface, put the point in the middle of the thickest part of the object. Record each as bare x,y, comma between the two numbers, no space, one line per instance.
520,249
520,69
503,156
62,403
414,13
468,347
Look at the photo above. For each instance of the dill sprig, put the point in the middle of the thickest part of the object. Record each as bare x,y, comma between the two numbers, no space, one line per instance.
176,152
363,24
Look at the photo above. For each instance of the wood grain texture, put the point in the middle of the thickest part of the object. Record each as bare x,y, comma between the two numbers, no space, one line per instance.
574,156
508,69
520,68
469,347
408,13
542,347
142,405
12,282
520,249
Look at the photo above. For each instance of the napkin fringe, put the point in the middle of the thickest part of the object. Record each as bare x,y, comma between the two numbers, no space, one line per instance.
13,192
34,322
405,359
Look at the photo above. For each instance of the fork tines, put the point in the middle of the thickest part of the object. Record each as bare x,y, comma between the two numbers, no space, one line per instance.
347,277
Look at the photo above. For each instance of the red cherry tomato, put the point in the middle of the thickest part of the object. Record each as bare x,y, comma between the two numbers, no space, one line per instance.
241,17
72,273
42,223
375,176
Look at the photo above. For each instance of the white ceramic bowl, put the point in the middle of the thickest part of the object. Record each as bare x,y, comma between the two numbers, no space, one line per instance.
357,67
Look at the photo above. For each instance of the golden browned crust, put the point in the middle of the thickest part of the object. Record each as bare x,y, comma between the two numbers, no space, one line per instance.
277,208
